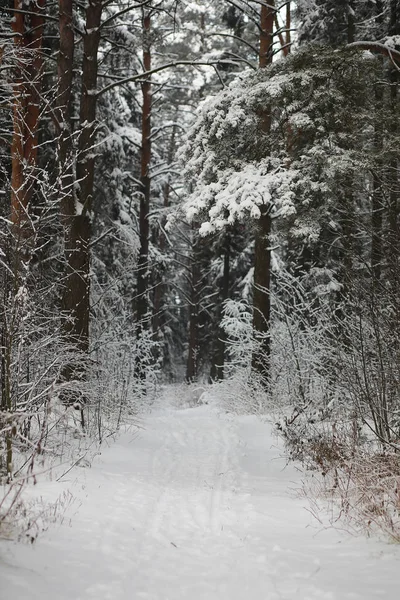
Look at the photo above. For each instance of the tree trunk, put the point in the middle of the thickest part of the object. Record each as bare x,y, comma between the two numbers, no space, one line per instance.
288,25
72,296
27,26
288,36
63,111
77,218
266,35
143,263
261,296
195,278
262,261
393,246
191,367
28,41
217,369
351,23
377,190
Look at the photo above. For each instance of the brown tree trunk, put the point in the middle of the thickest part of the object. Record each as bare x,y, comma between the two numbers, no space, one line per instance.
192,364
266,35
66,179
346,203
284,36
288,36
77,218
192,361
194,307
393,246
217,368
142,310
63,111
261,296
28,41
28,29
262,258
351,24
377,191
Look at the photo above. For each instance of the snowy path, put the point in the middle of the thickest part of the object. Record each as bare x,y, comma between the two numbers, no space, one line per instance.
196,507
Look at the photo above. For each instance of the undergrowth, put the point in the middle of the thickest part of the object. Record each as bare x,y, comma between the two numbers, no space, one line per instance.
357,480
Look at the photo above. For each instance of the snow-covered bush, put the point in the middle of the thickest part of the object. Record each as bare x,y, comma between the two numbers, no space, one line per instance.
123,370
237,326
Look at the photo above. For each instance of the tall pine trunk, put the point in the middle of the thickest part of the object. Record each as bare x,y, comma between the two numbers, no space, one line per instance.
28,42
262,255
217,367
28,27
143,263
377,178
346,200
65,154
194,299
65,65
77,215
393,246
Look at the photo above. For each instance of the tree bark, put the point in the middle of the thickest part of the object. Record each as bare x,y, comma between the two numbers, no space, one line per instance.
261,296
377,208
217,370
288,36
65,65
142,309
27,27
351,24
195,277
262,258
77,215
393,246
266,34
28,42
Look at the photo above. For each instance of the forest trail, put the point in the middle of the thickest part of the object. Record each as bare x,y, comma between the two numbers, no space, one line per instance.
197,506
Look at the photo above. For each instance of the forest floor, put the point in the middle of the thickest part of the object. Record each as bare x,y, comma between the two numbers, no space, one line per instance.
197,505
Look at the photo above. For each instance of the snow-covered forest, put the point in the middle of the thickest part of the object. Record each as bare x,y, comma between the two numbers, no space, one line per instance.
199,221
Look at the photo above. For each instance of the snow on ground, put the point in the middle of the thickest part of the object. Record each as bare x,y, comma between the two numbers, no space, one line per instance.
198,506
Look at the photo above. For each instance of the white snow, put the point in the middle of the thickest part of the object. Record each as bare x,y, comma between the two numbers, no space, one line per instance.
198,505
